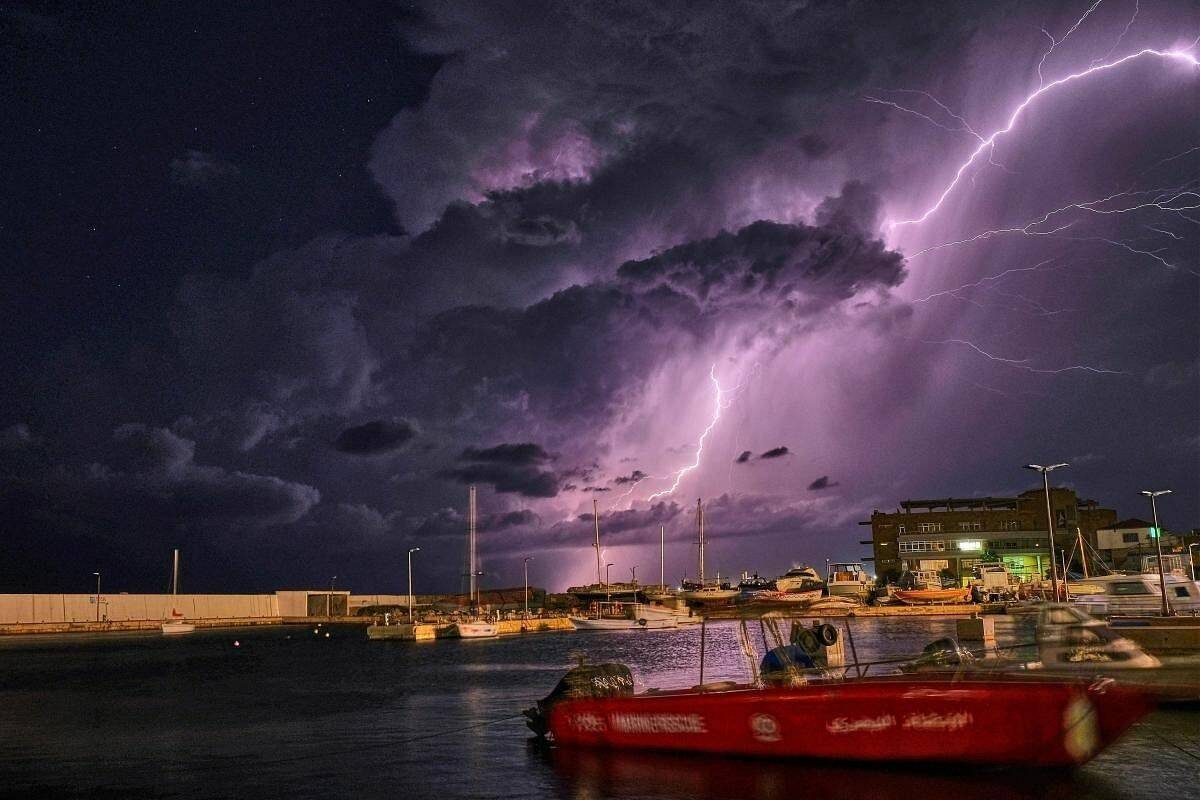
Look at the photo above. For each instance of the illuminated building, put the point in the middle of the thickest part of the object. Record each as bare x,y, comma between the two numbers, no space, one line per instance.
928,536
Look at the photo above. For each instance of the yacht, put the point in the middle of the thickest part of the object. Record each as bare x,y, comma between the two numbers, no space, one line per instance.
799,577
1115,595
176,624
848,579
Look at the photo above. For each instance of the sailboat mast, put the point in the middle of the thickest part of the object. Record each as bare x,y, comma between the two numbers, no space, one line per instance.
662,555
700,522
175,575
596,540
1082,551
471,546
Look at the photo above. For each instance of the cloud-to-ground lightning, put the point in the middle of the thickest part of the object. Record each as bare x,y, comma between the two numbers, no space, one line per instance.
989,142
1023,363
718,405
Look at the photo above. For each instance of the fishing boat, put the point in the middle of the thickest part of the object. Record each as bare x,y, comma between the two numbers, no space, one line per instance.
925,597
624,617
704,591
848,579
972,719
176,624
799,577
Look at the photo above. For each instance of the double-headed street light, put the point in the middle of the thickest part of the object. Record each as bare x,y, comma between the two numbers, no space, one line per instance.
1162,577
411,550
1050,521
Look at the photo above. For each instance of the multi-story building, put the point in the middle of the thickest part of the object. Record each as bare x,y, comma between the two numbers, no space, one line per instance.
929,536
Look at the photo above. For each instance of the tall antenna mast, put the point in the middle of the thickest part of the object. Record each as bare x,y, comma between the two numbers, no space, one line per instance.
662,555
700,522
472,566
596,542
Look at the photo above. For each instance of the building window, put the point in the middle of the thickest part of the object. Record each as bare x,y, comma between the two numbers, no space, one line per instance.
970,526
929,527
1011,525
1129,538
902,529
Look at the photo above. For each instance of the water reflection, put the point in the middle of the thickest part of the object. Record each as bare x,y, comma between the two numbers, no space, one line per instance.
588,775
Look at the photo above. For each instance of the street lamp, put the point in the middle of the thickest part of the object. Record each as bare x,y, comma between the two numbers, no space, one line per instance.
97,574
329,599
607,583
1192,558
1162,577
411,550
1050,521
526,565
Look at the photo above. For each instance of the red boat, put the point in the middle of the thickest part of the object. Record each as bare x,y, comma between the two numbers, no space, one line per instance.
924,597
984,720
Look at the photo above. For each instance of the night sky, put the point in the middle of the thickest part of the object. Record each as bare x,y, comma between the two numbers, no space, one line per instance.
281,280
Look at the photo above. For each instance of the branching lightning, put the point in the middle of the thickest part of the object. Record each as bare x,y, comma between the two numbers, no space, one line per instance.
1023,363
718,404
987,143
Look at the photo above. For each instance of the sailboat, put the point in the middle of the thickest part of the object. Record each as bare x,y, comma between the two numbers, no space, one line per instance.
176,625
475,627
702,591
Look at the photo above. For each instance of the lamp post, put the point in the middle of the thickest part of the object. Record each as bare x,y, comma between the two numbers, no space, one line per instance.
527,558
1050,521
1162,577
329,599
411,550
97,574
1192,558
607,584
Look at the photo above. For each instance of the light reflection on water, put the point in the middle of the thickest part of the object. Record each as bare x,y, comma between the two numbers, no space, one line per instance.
290,714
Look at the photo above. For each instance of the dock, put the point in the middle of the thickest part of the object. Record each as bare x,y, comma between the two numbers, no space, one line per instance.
422,632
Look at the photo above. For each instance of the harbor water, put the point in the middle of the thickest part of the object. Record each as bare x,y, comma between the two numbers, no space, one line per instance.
294,713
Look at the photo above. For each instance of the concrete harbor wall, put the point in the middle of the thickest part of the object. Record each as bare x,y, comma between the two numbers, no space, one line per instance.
52,609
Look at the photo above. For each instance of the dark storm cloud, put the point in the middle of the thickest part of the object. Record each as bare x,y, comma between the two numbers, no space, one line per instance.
150,481
820,483
375,437
775,452
506,478
596,489
743,457
634,477
523,454
452,523
17,437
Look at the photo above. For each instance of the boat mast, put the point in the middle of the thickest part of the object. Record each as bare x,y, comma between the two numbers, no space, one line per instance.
471,546
175,575
662,556
1082,552
700,522
596,540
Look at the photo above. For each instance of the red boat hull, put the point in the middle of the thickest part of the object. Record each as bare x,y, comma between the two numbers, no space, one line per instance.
1034,723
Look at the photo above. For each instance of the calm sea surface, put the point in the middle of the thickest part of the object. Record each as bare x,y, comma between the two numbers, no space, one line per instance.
297,715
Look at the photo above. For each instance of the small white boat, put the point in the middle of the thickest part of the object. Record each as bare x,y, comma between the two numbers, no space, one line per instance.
626,617
1115,595
476,629
798,596
176,625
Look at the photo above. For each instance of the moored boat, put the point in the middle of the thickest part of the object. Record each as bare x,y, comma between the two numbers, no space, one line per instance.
476,629
971,719
848,579
924,597
796,596
625,617
799,578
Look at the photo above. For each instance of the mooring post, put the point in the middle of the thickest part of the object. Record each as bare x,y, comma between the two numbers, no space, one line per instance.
703,625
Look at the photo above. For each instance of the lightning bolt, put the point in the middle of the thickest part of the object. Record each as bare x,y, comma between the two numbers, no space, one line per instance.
1173,200
1023,363
989,142
718,405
